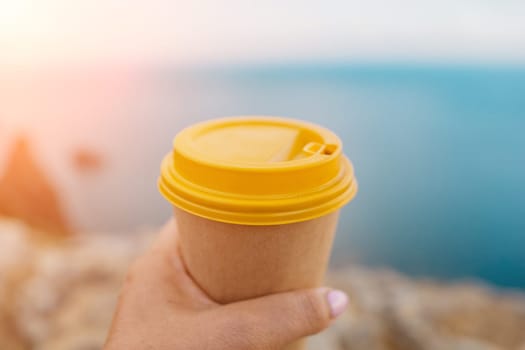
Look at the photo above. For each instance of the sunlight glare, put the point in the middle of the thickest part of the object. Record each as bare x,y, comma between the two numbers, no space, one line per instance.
14,16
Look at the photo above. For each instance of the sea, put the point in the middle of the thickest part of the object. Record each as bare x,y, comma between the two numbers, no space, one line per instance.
438,150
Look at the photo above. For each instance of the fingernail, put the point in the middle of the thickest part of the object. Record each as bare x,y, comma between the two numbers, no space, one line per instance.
338,300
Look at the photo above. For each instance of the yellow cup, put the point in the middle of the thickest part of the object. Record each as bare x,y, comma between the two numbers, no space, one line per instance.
256,201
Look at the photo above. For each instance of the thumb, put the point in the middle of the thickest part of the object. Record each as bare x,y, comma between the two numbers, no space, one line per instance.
276,320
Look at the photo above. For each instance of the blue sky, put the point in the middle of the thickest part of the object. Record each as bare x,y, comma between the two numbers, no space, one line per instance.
204,31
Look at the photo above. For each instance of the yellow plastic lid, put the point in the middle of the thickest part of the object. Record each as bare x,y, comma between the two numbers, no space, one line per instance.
257,171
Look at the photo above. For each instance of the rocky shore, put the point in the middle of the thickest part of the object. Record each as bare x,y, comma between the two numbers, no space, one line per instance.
60,295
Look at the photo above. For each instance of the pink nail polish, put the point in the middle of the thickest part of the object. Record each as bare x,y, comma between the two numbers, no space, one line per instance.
338,301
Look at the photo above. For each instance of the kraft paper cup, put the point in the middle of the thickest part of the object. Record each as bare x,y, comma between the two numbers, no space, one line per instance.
256,200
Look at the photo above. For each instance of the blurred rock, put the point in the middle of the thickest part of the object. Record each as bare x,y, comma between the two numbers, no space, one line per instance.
26,193
61,297
87,161
390,311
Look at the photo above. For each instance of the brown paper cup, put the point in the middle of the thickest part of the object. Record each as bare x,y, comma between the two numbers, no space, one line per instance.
233,262
257,201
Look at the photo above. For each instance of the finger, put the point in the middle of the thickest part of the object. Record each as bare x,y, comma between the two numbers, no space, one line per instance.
162,268
166,241
162,260
279,319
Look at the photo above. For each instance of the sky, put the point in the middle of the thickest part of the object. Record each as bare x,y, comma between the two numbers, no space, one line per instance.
208,31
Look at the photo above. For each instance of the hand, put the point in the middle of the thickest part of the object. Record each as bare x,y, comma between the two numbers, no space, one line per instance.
161,307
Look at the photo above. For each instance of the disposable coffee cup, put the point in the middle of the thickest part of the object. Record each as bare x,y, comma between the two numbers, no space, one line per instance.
256,201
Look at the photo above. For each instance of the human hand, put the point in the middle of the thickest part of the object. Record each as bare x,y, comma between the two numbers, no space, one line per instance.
161,308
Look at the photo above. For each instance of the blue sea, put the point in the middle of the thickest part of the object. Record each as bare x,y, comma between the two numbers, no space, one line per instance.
439,152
